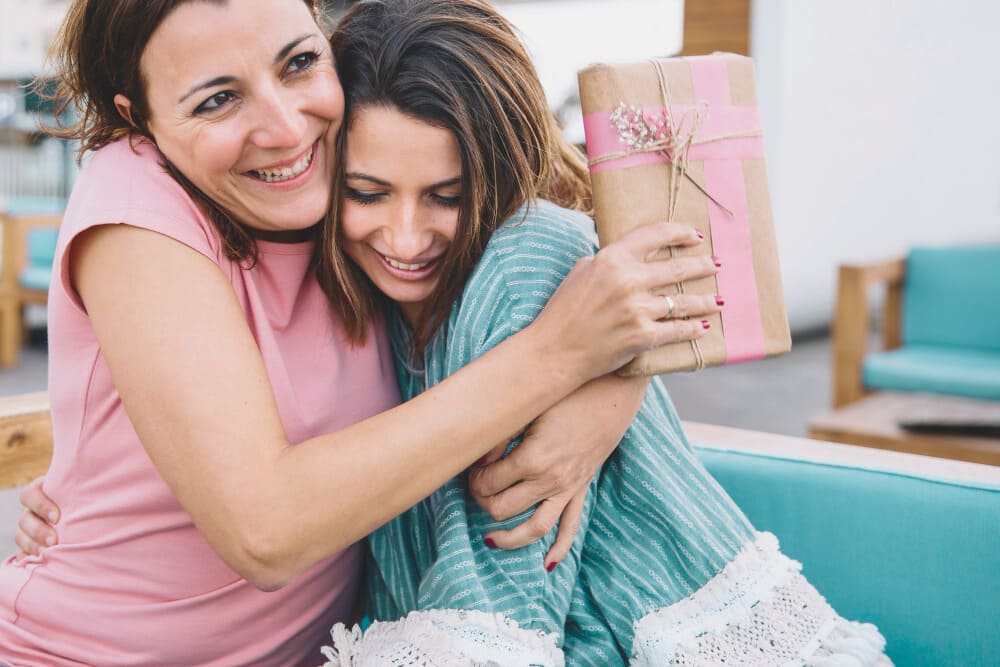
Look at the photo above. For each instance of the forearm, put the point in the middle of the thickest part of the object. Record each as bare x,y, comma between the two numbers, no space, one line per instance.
387,463
194,385
613,397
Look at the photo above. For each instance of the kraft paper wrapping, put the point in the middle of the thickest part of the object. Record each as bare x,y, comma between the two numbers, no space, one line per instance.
721,189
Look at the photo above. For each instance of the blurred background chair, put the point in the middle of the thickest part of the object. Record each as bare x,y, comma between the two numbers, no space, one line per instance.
30,229
934,387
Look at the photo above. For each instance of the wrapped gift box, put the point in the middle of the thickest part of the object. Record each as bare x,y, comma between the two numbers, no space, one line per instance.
679,139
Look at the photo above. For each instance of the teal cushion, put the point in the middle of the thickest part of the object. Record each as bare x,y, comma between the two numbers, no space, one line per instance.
33,206
41,253
42,245
916,557
937,369
949,297
36,277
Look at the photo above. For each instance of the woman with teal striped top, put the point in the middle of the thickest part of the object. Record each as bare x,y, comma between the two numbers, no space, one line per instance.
440,221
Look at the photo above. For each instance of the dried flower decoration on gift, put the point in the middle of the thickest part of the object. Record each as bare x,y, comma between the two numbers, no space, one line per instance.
640,130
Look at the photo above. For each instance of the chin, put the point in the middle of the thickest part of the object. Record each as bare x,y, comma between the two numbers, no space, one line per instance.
304,218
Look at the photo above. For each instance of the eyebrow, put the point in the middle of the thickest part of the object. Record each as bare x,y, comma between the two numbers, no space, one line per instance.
379,181
226,80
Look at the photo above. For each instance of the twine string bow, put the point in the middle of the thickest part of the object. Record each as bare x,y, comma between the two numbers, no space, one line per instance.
673,138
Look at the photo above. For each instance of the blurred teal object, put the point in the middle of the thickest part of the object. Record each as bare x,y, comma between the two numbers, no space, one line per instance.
40,241
950,325
41,254
951,297
38,99
29,227
917,556
32,206
936,369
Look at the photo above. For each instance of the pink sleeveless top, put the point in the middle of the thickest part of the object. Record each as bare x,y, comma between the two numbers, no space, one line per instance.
132,581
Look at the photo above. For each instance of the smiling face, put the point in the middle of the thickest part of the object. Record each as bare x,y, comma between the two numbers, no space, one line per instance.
244,100
400,207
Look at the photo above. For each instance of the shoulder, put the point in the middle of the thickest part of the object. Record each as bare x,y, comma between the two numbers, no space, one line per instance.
128,173
540,238
126,182
524,263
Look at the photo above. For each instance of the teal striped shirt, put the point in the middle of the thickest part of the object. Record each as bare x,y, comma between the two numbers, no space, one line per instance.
656,525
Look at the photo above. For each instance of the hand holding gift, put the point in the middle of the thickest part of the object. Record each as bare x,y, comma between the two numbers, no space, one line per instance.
679,139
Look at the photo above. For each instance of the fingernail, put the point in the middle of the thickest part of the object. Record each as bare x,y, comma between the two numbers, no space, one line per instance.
719,301
551,566
53,516
705,324
488,541
50,540
716,261
700,235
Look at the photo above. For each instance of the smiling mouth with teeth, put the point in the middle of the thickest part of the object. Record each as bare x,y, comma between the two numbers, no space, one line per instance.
406,267
285,173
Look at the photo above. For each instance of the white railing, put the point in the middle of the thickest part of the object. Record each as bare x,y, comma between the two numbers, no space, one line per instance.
35,171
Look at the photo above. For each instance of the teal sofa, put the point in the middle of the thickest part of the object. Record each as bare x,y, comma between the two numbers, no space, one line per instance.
907,542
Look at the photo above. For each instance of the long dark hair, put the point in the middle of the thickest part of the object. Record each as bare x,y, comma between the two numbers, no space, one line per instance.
455,64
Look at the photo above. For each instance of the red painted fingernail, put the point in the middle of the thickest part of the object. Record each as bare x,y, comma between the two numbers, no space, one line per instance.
700,235
551,566
719,301
488,541
716,260
705,324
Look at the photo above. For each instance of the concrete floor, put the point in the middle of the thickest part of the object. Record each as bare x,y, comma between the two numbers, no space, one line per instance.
777,395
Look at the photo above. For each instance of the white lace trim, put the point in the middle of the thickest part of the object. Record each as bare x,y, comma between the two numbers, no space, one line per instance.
759,610
443,638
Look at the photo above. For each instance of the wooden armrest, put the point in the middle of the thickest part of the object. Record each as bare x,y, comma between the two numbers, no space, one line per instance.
25,438
889,270
852,322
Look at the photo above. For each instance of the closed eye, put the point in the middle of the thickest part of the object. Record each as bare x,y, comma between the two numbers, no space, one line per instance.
451,201
363,197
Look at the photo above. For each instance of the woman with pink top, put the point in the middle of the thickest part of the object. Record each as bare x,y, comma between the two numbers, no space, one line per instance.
216,434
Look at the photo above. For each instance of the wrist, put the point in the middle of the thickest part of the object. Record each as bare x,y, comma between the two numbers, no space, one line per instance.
551,360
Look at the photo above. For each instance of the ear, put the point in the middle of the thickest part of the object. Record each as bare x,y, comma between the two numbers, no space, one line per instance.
124,106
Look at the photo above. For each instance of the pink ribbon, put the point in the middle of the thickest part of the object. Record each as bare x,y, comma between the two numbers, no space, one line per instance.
722,155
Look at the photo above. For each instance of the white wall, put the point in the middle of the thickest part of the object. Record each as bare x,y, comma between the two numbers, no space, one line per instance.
564,36
882,128
26,29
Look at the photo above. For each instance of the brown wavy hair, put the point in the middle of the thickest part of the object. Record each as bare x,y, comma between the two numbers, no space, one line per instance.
456,64
97,54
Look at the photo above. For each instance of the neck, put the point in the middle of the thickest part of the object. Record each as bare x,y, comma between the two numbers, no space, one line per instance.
411,313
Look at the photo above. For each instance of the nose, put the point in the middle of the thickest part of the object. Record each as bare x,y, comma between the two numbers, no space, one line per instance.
409,235
278,122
